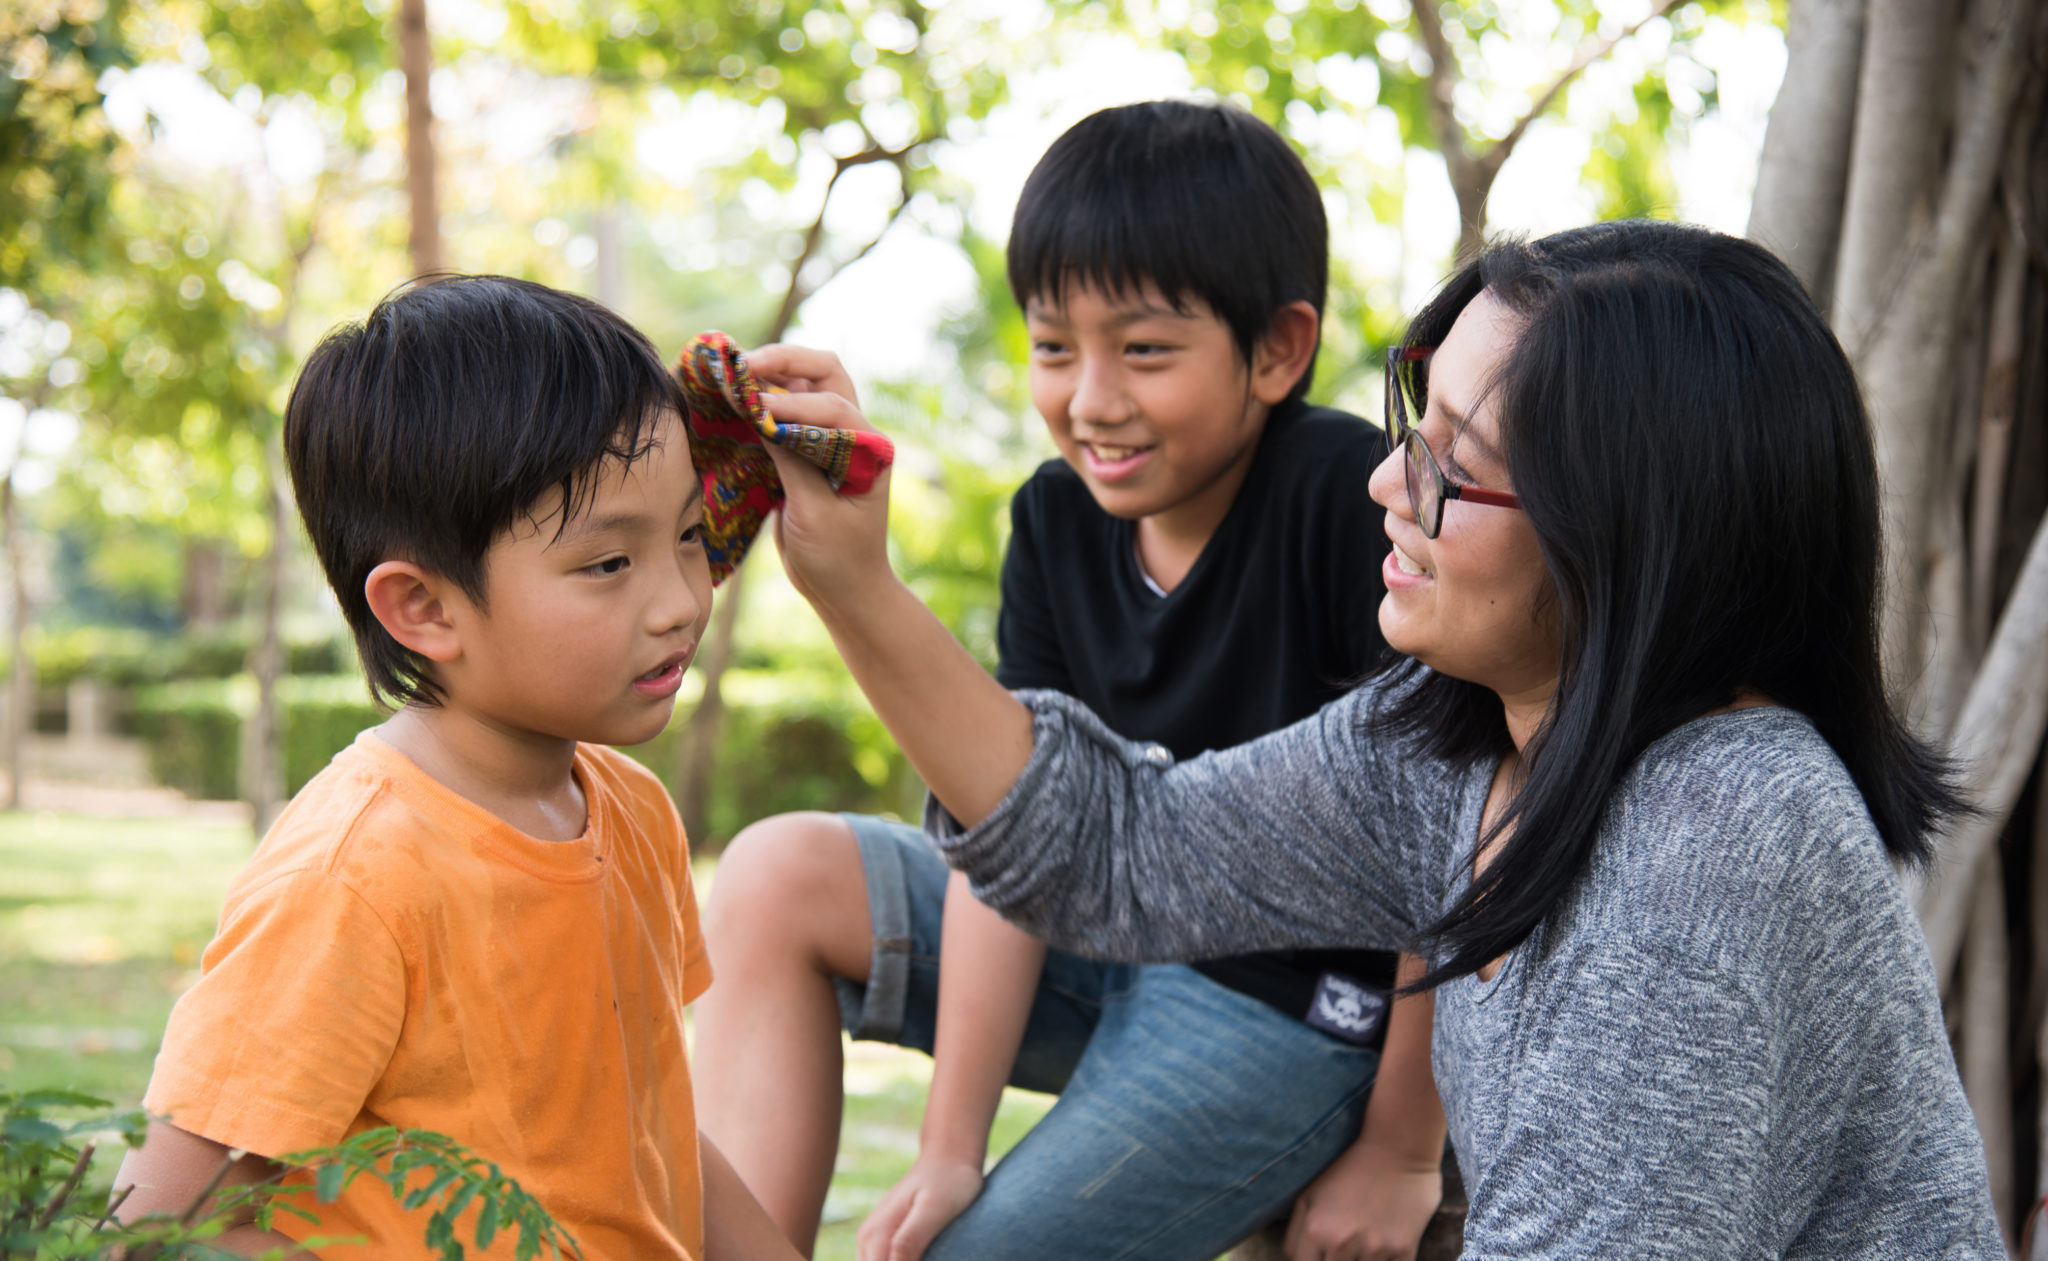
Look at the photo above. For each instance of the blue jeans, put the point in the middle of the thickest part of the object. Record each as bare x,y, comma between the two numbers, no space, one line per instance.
1189,1114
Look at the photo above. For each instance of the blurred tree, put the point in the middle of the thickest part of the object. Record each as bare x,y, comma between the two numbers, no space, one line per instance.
58,161
1455,79
191,345
856,85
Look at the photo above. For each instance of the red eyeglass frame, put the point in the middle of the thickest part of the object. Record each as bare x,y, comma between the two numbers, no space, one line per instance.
1418,456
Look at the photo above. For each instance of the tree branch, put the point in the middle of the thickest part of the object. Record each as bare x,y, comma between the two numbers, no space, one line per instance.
1589,52
1997,740
1442,83
814,236
63,1195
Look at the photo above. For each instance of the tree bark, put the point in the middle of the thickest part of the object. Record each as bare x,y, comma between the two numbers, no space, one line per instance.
1804,171
2002,350
205,602
1996,741
263,735
416,59
1894,154
1904,266
1985,1062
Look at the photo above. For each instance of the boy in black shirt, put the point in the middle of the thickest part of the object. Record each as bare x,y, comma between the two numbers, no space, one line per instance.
1198,569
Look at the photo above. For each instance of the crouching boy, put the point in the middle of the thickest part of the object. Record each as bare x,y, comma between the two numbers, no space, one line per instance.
477,920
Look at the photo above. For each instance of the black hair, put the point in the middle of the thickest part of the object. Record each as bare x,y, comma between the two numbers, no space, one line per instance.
444,418
1201,201
1691,448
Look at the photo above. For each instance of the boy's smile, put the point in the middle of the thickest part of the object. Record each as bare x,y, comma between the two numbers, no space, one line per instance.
1151,405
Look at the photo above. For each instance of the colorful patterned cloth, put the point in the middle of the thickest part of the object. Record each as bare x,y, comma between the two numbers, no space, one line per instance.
728,423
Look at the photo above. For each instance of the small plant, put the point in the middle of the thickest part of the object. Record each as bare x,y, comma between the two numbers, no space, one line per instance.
52,1210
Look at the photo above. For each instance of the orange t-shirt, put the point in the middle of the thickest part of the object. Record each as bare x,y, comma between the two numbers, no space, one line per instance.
395,955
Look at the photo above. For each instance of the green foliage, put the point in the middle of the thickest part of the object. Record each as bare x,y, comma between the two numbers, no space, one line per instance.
422,1168
193,729
124,657
947,536
51,1209
795,738
57,153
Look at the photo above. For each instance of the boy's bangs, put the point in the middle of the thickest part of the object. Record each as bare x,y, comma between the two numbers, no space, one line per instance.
1194,201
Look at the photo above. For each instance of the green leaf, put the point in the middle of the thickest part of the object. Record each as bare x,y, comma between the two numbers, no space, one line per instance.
487,1223
37,1099
327,1183
420,1195
32,1130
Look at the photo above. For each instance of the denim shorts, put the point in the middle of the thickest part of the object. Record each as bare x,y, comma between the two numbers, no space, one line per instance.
1189,1115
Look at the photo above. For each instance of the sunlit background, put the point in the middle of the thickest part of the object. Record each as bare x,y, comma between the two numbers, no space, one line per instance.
842,173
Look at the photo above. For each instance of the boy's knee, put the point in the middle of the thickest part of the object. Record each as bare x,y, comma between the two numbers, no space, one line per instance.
800,867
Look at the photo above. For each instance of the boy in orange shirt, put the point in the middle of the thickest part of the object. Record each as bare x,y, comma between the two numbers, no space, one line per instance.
477,920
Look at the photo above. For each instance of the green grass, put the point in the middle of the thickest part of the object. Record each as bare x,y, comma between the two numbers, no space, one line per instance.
101,925
102,922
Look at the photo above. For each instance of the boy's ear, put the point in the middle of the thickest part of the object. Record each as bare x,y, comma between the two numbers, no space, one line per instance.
411,605
1285,352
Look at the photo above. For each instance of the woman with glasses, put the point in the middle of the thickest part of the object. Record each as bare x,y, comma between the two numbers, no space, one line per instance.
1634,788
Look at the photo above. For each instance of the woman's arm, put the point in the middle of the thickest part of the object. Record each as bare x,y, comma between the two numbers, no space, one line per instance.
1313,836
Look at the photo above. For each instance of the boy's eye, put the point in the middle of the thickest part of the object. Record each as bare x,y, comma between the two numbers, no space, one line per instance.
694,536
1047,349
608,566
1146,350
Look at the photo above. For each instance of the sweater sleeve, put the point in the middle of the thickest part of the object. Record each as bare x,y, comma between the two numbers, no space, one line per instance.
1639,1121
1305,838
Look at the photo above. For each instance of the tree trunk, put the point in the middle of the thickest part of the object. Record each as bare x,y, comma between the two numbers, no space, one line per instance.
1904,263
1996,741
263,735
1940,296
1804,172
416,58
697,752
21,683
205,600
1986,1025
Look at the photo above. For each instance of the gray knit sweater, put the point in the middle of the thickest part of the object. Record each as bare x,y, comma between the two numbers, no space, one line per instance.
1726,1043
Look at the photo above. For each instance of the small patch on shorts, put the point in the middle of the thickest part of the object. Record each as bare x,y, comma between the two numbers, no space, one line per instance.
1348,1009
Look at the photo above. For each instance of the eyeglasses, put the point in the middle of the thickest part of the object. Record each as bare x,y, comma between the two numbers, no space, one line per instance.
1428,488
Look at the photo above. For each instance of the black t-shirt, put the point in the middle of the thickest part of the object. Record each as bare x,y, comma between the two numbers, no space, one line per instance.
1279,616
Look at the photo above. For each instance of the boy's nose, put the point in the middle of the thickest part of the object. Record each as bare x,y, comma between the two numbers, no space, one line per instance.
1100,397
684,602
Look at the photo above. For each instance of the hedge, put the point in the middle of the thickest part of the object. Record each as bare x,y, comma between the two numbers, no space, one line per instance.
124,657
791,741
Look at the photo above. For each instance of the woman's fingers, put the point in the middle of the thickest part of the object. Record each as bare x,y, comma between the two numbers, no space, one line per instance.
801,370
826,410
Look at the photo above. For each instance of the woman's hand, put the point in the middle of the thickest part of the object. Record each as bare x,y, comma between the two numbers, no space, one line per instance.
1370,1205
835,547
932,1194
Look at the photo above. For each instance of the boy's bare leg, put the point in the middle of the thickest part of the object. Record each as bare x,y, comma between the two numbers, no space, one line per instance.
788,911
